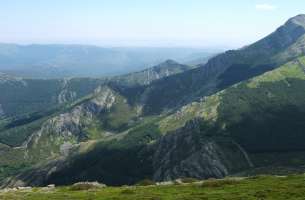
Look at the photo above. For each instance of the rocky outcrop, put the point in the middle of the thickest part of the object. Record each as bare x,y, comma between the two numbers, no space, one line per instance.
66,95
71,123
87,185
59,134
187,152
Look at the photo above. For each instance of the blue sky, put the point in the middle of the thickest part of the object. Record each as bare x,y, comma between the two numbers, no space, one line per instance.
200,23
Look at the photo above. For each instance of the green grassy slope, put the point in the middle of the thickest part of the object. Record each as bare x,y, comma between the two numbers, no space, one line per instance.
253,188
265,115
261,98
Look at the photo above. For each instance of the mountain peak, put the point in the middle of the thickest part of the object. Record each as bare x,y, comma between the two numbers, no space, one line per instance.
166,64
298,20
170,62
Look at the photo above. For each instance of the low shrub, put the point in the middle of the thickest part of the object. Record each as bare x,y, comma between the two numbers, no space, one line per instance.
146,182
189,180
219,183
258,177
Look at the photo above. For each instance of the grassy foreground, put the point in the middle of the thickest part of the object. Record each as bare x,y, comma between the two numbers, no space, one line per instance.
254,188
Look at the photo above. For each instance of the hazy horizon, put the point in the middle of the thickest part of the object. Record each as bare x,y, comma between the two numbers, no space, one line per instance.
121,45
143,23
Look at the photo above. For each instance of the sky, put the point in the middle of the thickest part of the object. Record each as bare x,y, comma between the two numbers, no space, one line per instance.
168,23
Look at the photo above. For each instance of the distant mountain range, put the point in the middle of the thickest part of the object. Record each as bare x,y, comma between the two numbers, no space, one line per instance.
59,61
240,113
23,96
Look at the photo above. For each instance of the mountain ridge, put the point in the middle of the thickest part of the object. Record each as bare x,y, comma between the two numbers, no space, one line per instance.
240,106
207,130
228,68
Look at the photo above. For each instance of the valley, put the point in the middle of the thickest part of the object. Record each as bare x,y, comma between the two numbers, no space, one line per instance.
240,114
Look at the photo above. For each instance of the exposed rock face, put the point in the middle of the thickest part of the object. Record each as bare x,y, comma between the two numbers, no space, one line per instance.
187,153
71,123
65,148
58,134
66,95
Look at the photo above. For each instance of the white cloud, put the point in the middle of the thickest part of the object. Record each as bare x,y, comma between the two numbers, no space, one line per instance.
265,7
